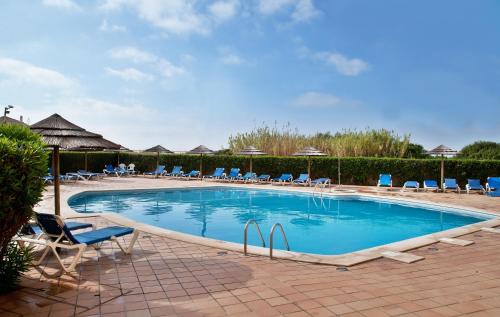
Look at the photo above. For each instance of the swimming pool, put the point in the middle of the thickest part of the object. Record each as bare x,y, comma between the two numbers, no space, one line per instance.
330,225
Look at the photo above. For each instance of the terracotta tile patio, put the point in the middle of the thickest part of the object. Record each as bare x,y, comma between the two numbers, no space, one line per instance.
165,277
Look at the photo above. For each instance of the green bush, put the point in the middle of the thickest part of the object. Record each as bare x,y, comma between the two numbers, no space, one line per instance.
354,170
23,161
16,261
481,150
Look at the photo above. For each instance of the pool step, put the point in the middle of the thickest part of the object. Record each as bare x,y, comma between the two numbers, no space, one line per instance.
402,257
459,242
492,230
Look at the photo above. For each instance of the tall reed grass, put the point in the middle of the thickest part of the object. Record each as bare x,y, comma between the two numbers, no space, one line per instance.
347,143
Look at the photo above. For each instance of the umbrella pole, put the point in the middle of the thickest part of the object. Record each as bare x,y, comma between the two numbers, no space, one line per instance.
118,158
201,166
309,168
157,163
86,169
250,163
442,171
57,202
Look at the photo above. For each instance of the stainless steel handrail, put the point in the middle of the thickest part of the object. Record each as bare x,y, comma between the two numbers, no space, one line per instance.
271,238
245,238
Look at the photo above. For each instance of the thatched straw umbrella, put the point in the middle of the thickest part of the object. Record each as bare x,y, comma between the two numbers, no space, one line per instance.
309,151
158,149
59,133
251,150
442,151
201,150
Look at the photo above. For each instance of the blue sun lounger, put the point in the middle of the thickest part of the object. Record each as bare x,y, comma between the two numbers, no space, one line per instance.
157,172
430,184
474,184
110,170
248,177
410,185
283,179
451,184
218,173
233,174
384,180
492,183
176,171
494,186
192,174
55,227
263,178
321,181
303,179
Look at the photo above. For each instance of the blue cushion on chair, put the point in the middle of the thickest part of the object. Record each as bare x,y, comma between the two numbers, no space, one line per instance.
100,235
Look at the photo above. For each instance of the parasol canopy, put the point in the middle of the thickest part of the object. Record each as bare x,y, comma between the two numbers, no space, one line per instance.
251,150
59,133
201,150
158,149
309,151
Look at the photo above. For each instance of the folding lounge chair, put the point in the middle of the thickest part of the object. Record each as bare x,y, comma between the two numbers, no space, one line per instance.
451,184
303,179
84,175
192,174
233,174
283,179
56,228
131,169
474,184
263,178
248,177
494,187
157,172
411,185
321,181
384,180
35,231
218,173
430,184
176,171
110,170
492,183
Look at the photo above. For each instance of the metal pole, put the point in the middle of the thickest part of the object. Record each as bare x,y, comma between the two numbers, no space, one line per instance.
57,198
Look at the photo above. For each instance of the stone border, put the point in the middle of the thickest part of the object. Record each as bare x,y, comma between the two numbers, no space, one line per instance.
347,259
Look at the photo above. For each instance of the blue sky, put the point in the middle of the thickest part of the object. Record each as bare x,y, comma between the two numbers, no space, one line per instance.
184,72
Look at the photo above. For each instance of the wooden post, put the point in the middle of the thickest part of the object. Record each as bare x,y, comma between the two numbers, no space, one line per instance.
338,169
86,167
442,172
57,196
250,163
201,166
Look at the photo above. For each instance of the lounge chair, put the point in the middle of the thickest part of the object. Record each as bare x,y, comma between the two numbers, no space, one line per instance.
494,186
157,172
192,174
49,178
110,170
122,166
233,174
384,180
474,184
492,183
248,177
176,171
283,179
263,178
430,184
321,181
55,227
131,169
84,175
35,230
303,179
451,184
410,185
218,173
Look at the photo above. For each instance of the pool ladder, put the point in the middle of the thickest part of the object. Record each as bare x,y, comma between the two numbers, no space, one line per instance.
271,235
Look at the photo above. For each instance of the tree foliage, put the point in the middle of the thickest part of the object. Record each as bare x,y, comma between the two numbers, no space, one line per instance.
23,161
481,150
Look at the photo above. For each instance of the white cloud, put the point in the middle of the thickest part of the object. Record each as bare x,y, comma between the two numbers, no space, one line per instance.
223,10
129,74
23,72
132,54
161,65
344,65
63,4
303,10
314,99
229,57
106,27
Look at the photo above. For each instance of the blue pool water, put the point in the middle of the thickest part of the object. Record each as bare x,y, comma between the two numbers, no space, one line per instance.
328,225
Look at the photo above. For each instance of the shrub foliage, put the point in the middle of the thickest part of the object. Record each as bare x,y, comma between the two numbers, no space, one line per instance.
481,150
354,170
23,161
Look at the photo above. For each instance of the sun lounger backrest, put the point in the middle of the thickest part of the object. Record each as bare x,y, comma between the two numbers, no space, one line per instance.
234,172
494,183
411,184
474,183
109,168
176,169
430,183
303,177
450,182
54,226
385,179
285,177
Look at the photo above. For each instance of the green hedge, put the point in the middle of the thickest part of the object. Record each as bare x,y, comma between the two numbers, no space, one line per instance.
354,170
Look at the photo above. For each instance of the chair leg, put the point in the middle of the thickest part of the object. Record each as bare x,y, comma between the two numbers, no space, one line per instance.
81,248
131,244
